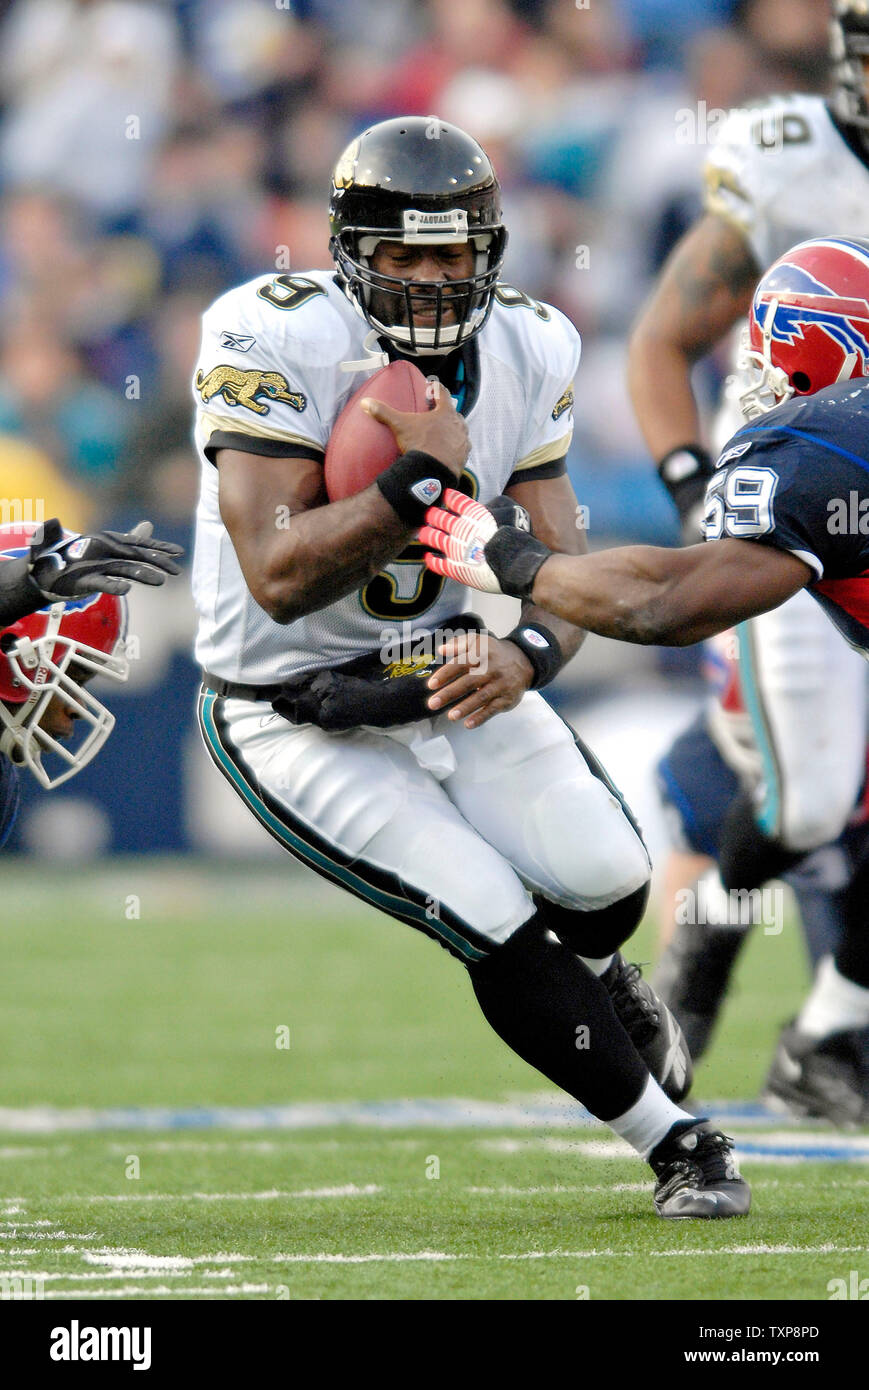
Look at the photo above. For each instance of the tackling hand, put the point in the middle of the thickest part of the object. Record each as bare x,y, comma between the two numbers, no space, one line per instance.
473,546
66,566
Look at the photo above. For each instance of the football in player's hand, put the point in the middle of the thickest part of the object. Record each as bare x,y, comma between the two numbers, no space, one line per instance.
360,448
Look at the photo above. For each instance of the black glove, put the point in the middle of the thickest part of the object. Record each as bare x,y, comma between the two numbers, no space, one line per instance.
335,701
685,473
367,690
107,562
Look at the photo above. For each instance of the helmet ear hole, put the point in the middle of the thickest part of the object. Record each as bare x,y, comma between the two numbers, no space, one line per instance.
801,382
7,641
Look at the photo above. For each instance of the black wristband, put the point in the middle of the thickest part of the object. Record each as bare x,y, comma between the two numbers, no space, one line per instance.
19,592
415,482
515,557
542,649
685,471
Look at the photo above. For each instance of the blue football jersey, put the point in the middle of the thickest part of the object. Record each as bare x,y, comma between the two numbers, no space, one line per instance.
798,479
9,798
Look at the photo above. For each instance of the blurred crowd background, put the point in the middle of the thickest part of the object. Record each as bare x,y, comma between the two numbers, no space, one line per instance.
153,153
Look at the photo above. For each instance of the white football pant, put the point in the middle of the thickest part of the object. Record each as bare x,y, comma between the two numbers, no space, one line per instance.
446,828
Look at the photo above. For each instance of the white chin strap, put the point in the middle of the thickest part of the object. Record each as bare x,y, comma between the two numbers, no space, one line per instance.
422,341
32,662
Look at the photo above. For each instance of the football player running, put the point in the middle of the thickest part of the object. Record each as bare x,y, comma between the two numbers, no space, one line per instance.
793,726
787,509
62,621
470,812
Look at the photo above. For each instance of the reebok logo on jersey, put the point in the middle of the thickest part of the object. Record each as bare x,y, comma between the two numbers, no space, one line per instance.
735,453
428,490
238,342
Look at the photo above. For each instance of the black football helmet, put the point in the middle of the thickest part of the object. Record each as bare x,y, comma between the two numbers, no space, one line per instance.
418,181
849,44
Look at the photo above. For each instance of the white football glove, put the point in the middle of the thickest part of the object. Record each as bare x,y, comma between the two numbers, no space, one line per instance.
458,538
489,550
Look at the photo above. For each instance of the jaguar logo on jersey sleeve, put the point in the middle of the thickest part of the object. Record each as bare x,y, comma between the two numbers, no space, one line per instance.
238,387
563,403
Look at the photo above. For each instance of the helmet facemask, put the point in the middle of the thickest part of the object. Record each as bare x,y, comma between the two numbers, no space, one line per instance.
390,304
55,665
771,386
849,45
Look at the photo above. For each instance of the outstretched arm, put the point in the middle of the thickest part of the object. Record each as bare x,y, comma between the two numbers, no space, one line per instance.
671,598
636,593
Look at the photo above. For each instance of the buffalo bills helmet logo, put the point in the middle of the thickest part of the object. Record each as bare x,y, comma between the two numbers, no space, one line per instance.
809,324
807,300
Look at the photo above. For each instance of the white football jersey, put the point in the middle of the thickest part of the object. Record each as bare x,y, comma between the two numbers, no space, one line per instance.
783,172
269,380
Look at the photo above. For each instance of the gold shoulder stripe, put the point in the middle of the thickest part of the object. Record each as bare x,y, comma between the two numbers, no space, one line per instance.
209,423
546,453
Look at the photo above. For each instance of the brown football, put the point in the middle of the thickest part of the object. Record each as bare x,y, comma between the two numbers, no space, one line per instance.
360,448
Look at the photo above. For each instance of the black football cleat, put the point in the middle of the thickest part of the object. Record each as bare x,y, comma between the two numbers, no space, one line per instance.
693,974
818,1079
651,1027
697,1174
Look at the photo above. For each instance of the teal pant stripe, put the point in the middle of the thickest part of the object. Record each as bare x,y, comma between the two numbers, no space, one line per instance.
770,811
392,904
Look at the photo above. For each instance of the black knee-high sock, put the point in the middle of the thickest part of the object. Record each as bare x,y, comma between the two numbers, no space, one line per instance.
747,858
536,995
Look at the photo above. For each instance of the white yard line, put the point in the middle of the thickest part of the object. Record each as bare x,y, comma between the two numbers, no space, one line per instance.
558,1189
273,1194
176,1291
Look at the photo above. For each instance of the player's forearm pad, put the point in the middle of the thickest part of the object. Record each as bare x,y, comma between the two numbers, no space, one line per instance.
685,471
515,557
542,649
415,482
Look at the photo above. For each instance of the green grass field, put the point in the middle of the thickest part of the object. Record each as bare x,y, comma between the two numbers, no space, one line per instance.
183,1006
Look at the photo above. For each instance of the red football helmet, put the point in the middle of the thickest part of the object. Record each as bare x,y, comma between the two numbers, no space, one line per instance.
809,323
52,652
